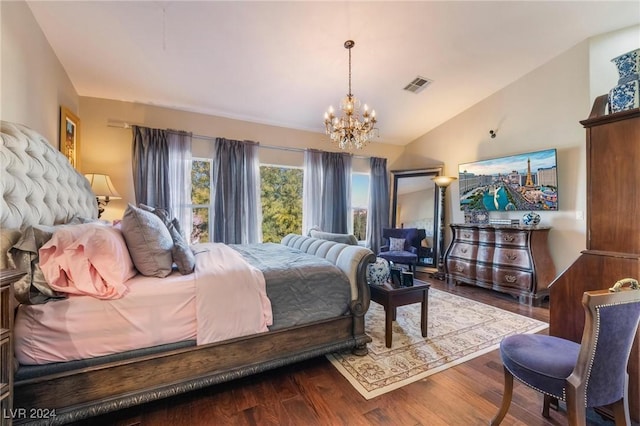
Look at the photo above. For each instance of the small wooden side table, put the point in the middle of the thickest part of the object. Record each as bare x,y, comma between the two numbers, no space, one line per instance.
391,297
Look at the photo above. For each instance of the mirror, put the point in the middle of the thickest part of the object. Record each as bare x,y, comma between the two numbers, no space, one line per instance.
415,205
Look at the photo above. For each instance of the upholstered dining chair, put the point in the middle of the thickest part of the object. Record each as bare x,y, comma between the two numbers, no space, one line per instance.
402,245
590,374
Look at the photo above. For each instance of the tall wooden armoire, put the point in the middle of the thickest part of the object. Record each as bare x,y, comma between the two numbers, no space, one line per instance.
613,229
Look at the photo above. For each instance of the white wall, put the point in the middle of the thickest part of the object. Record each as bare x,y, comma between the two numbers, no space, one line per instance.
34,84
603,49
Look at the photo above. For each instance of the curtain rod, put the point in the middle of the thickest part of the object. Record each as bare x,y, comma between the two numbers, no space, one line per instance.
125,125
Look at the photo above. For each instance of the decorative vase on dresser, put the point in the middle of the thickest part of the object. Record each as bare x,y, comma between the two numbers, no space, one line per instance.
613,229
509,259
626,95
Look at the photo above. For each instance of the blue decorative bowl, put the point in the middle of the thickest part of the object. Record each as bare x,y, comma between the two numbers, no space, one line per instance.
378,272
531,219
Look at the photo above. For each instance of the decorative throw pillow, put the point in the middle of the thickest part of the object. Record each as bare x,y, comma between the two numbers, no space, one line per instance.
396,244
181,253
32,288
148,241
338,238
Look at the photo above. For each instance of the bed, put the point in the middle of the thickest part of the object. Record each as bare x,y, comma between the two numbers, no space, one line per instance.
41,188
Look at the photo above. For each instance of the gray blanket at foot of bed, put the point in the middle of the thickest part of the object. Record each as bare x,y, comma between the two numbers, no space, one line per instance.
302,287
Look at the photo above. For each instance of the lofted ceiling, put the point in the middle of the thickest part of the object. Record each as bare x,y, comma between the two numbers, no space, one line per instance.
283,63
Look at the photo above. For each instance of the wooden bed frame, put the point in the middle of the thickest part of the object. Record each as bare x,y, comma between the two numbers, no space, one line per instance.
91,391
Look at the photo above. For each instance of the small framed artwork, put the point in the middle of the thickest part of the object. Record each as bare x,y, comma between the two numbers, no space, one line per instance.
70,136
476,216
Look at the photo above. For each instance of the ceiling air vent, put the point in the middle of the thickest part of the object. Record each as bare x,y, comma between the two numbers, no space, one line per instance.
418,84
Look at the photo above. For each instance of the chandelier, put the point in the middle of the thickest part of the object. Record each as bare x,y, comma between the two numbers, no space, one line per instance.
351,130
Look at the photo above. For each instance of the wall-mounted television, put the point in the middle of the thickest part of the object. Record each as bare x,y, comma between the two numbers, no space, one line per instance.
526,181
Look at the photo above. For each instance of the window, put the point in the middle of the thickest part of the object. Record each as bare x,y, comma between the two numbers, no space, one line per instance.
281,197
200,199
359,204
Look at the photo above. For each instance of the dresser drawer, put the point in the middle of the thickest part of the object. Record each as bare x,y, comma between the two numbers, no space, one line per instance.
461,268
512,257
485,254
466,234
484,273
487,236
505,277
511,237
464,251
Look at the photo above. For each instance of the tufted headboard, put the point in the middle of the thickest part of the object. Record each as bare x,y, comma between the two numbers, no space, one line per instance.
38,184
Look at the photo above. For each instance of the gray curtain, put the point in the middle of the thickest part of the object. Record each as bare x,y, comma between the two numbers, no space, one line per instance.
237,211
150,166
312,190
378,214
179,171
336,192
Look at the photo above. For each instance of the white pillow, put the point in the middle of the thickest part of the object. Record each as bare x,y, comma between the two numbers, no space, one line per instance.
396,244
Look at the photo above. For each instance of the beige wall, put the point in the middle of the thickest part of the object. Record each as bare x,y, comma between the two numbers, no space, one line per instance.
33,82
107,149
540,110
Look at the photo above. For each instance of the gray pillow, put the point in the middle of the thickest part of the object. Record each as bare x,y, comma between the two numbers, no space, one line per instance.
338,238
181,253
32,288
148,241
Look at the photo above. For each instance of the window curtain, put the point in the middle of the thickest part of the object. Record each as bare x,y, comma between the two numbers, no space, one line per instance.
378,214
237,212
336,193
179,170
312,190
150,165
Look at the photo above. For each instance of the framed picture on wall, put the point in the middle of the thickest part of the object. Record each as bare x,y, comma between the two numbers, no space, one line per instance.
70,136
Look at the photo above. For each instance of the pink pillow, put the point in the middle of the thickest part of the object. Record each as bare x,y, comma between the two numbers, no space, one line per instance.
88,259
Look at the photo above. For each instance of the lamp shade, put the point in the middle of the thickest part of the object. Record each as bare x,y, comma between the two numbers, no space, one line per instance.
443,181
102,186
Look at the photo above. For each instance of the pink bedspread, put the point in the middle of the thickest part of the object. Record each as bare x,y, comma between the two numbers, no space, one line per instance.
224,298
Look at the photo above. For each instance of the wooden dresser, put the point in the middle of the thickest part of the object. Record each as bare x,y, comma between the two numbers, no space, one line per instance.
509,259
7,278
613,229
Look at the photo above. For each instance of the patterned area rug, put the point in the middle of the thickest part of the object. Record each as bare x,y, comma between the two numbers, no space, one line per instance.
459,329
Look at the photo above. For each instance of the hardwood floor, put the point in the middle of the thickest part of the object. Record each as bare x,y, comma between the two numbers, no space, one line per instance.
314,393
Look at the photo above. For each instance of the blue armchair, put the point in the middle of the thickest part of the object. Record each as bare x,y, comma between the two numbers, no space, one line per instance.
407,252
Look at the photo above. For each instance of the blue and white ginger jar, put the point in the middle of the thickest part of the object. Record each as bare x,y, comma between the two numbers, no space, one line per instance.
378,272
626,95
531,219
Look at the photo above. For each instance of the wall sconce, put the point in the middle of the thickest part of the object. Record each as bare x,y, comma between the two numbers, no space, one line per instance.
103,188
493,133
443,182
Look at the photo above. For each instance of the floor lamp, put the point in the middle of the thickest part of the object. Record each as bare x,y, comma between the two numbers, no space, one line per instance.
443,182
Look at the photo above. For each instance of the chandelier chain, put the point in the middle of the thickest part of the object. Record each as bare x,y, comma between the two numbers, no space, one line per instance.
349,70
